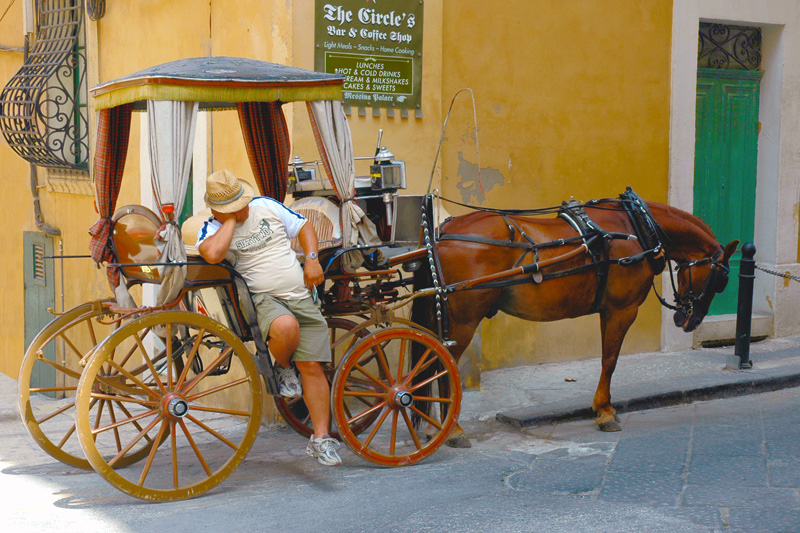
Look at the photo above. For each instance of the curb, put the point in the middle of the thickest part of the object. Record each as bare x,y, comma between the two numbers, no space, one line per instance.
653,396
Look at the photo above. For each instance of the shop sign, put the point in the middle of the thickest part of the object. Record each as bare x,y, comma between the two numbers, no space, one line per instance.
376,45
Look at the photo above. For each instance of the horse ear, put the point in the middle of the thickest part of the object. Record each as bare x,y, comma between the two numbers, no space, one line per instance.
730,249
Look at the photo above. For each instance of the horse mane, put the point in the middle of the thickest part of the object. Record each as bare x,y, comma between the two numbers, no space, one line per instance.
691,227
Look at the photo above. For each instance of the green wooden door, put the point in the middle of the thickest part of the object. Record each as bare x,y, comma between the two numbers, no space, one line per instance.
39,296
725,162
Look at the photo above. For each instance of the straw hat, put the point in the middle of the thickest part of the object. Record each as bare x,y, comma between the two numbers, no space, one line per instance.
225,193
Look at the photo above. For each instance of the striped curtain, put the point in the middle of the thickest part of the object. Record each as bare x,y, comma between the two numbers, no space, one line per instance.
111,150
266,137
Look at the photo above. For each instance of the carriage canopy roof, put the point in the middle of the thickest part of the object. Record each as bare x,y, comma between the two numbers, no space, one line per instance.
218,82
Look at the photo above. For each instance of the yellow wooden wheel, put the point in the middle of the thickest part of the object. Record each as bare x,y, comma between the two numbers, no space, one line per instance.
48,380
404,380
203,413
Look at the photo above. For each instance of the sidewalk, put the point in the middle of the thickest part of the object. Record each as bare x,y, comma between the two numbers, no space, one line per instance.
541,394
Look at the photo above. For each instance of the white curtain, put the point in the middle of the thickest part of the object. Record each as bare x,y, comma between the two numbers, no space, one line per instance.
171,126
334,134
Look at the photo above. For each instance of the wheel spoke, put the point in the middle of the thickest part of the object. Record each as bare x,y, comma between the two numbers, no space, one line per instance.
426,417
213,432
217,389
220,410
432,399
66,437
393,436
381,355
114,421
52,389
417,368
56,413
194,447
150,392
378,425
370,376
99,414
368,412
429,380
120,398
225,353
411,429
149,363
137,438
69,343
152,454
364,394
168,341
133,421
173,439
117,424
190,359
401,359
61,368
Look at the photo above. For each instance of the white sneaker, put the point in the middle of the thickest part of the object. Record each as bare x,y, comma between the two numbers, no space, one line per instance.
288,383
323,449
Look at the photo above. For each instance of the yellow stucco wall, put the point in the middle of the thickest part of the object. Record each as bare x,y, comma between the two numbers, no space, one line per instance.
16,216
572,99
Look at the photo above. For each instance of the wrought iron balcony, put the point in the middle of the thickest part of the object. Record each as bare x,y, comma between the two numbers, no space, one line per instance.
43,113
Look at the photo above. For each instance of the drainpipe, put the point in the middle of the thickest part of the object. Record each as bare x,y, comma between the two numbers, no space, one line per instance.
37,210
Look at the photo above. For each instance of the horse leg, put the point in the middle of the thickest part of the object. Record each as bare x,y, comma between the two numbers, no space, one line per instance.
614,324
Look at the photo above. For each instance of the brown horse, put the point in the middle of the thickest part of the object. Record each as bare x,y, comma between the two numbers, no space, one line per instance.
482,243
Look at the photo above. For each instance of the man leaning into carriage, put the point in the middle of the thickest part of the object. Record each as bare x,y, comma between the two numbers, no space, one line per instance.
254,235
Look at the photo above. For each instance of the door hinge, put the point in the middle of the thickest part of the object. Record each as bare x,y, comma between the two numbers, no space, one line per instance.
758,127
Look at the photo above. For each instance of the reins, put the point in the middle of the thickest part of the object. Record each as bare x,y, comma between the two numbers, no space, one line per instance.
655,243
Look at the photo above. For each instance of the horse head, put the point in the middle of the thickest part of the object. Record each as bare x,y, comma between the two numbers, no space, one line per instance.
698,282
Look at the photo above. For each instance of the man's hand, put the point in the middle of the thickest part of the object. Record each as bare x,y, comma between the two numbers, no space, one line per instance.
312,273
214,248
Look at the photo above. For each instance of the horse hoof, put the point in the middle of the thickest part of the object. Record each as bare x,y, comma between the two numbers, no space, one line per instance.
611,425
458,441
616,418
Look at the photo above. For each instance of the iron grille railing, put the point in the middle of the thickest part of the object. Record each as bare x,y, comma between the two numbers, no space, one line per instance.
729,47
43,113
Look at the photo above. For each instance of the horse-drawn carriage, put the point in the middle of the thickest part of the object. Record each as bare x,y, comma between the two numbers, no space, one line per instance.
165,400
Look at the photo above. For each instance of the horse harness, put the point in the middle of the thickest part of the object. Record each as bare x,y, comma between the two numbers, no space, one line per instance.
590,233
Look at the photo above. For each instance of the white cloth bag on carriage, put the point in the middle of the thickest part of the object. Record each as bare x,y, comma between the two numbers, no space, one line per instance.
171,126
334,131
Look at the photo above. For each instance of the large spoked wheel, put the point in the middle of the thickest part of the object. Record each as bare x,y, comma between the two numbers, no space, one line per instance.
48,381
294,410
197,418
409,382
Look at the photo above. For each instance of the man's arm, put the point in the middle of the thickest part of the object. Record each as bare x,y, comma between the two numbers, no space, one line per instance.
214,248
312,271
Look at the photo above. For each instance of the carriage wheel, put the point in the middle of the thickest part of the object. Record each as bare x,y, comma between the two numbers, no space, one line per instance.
411,380
203,415
48,381
294,410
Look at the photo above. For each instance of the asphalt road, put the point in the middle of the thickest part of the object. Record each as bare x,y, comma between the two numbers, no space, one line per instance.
721,465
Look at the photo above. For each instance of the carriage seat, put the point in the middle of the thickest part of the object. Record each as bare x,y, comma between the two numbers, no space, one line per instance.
133,241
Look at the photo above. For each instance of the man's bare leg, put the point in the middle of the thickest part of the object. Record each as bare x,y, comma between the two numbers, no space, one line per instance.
317,395
284,337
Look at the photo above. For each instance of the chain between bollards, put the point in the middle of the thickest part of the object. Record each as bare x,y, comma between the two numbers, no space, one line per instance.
744,310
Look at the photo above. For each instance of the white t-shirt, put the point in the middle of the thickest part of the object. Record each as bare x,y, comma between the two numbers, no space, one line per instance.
262,251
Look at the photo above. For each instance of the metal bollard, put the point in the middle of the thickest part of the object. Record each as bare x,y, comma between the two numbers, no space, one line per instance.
744,310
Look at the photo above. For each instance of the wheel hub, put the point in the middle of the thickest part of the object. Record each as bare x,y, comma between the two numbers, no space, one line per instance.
174,406
403,399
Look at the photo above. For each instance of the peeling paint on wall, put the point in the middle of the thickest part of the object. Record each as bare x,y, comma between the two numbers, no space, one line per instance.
468,184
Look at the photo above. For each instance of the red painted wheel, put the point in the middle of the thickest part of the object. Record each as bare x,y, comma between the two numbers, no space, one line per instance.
294,410
403,379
